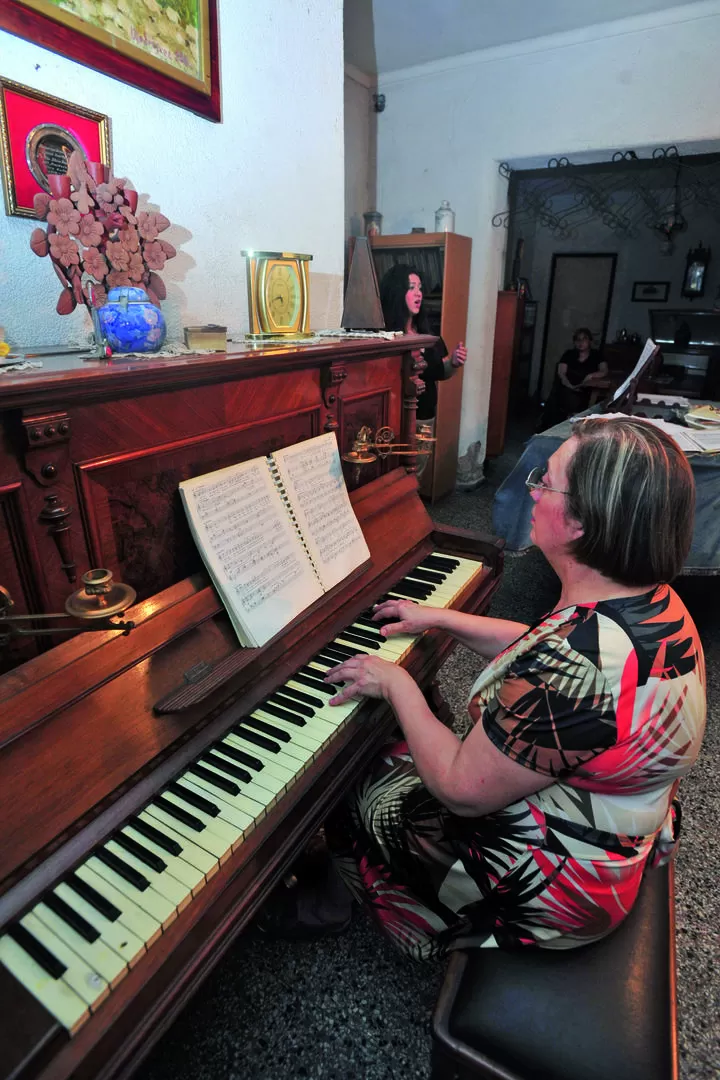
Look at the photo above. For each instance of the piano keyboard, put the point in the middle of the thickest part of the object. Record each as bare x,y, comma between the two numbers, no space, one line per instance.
78,942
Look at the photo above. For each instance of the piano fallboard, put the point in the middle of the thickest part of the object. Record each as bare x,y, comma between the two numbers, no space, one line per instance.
85,744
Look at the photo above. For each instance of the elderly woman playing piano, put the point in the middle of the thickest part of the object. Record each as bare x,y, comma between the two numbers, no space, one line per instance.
535,829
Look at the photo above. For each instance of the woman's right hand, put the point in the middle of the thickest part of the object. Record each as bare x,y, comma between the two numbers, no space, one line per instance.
410,618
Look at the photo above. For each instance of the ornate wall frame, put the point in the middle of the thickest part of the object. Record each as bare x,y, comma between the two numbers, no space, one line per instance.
130,53
34,129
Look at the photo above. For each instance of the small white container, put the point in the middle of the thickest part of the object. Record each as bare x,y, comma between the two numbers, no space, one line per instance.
445,217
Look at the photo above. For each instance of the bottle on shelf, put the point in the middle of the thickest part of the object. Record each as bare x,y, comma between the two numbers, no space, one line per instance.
445,217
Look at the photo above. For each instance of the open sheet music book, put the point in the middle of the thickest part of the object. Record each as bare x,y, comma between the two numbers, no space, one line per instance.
275,533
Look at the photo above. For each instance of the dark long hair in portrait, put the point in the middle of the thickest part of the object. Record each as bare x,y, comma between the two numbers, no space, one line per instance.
393,288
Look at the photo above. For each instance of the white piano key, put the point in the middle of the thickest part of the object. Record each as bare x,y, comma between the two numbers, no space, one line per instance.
79,976
148,900
96,954
263,786
116,936
143,925
192,853
173,890
64,1004
227,833
241,801
179,868
306,738
233,816
206,839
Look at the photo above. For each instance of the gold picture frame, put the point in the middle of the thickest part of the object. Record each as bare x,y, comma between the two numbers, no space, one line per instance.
37,133
170,50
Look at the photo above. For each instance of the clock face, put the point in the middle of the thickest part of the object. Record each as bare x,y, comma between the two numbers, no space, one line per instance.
282,295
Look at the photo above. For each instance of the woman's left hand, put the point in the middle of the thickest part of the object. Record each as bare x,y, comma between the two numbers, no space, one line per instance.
459,355
367,676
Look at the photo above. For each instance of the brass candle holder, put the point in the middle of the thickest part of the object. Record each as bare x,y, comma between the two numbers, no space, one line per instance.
96,606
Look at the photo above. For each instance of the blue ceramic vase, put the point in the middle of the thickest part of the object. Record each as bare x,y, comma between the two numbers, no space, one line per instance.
129,322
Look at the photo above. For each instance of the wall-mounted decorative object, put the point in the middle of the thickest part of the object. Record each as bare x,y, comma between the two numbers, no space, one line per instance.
169,49
655,292
97,241
38,133
695,271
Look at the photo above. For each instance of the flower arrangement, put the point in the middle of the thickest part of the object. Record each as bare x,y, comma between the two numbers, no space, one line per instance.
95,238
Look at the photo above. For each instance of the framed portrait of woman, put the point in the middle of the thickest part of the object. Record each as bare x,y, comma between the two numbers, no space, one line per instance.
167,47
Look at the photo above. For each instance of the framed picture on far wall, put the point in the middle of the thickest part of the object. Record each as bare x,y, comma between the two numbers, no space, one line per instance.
38,132
655,292
167,48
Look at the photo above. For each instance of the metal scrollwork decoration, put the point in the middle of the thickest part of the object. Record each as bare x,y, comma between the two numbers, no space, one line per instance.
626,193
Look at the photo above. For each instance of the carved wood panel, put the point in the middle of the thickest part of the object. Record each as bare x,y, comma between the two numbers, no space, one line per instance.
16,570
133,513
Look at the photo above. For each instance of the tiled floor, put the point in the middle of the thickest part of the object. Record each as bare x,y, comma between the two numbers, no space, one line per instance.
350,1006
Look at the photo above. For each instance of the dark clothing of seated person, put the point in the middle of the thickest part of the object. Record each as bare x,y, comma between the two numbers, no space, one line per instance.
577,373
401,296
535,828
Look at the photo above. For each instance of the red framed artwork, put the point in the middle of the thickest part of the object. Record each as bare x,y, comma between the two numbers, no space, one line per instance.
167,47
38,133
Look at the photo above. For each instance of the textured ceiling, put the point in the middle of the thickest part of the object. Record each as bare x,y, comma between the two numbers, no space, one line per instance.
388,35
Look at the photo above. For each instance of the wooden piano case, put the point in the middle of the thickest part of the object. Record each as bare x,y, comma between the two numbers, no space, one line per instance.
92,729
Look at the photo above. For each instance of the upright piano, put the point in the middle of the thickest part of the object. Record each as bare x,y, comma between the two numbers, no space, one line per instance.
156,785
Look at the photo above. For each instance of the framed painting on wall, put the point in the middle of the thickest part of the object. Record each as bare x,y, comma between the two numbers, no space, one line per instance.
651,291
167,47
38,132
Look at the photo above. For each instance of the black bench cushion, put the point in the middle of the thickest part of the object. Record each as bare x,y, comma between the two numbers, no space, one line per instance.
604,1011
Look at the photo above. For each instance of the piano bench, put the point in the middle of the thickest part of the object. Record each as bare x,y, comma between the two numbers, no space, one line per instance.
604,1011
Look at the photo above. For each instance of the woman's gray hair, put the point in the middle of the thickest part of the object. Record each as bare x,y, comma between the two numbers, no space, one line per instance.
632,490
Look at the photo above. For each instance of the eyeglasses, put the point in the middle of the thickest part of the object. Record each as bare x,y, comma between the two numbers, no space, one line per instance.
535,481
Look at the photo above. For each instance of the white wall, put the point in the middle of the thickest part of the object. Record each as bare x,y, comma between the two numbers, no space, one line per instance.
270,176
640,82
360,149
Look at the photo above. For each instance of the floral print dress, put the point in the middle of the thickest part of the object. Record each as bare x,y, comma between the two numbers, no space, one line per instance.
608,699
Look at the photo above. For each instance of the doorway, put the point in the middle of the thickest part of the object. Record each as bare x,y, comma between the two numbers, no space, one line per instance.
580,293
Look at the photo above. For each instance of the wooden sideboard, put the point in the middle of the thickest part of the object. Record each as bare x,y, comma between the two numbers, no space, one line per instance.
92,452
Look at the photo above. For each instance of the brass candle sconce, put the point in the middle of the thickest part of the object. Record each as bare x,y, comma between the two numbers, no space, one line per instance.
367,448
95,606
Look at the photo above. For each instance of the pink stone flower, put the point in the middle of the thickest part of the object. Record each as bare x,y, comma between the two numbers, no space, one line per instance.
107,196
64,217
136,266
64,249
83,199
90,232
94,263
118,255
129,239
117,277
154,255
150,224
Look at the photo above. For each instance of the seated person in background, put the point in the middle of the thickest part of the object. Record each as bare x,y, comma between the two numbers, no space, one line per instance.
578,370
401,296
535,828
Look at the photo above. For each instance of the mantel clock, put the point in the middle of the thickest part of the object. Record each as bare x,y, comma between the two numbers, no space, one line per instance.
278,294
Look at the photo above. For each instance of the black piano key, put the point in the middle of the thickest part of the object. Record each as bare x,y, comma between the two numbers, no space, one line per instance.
93,897
439,562
337,649
268,729
211,777
360,639
193,799
140,852
296,707
328,689
71,917
179,814
327,662
434,577
255,737
42,956
123,869
300,695
410,592
295,718
366,628
221,762
154,833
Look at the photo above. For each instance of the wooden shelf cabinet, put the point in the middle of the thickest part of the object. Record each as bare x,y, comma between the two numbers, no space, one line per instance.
443,259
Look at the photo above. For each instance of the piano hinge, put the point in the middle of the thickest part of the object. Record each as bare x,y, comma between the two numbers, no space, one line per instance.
197,672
